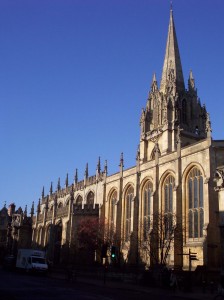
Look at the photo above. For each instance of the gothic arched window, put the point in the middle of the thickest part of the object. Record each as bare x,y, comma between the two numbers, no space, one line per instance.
90,198
112,211
128,213
168,194
195,203
146,203
79,201
168,187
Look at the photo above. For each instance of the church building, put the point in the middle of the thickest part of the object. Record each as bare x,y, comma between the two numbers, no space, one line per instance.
170,192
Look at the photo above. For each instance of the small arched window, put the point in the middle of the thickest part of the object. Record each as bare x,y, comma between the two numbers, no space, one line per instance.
128,212
195,203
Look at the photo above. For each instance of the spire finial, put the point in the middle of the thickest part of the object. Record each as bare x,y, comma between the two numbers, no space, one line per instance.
76,176
172,75
32,209
86,171
25,211
66,181
59,184
98,166
51,188
121,160
171,5
42,193
38,206
105,167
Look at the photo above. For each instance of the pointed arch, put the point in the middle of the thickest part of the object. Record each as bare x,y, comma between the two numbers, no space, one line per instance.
128,211
166,212
48,234
90,198
60,204
39,236
79,200
194,203
146,207
112,209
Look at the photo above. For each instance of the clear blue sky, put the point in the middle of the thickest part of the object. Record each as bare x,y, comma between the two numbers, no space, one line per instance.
74,75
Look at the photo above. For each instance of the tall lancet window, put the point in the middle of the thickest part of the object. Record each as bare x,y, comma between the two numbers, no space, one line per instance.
195,203
168,187
112,211
146,203
128,212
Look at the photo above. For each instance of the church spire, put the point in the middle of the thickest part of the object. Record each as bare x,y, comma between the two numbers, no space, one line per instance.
172,75
154,86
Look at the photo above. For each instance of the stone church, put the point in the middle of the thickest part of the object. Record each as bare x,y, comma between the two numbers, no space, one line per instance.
172,180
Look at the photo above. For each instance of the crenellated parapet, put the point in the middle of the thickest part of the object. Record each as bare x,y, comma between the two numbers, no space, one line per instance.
87,210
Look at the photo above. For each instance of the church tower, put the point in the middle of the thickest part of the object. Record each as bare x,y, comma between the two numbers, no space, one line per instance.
172,110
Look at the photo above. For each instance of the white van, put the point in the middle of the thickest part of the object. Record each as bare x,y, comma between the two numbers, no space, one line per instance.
31,260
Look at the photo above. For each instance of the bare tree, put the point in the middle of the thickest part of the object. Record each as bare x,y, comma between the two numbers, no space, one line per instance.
158,239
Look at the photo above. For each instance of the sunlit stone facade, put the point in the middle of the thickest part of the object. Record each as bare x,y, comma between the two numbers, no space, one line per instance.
175,165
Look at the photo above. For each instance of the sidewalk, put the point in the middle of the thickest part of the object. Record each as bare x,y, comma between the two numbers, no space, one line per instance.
196,292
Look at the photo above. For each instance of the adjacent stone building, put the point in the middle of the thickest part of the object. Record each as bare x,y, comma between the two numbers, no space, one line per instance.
15,229
175,165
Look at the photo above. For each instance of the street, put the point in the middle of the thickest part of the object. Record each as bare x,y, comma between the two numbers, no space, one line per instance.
22,286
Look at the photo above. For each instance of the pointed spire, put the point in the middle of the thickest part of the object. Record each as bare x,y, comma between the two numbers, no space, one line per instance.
42,193
38,206
121,165
76,176
154,85
59,184
47,203
191,82
66,181
105,167
86,171
172,74
25,211
98,166
121,160
51,188
32,210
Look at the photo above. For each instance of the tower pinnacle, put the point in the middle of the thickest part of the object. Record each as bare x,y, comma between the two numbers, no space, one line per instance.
172,70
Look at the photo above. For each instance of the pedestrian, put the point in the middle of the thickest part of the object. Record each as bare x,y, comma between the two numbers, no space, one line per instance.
173,281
